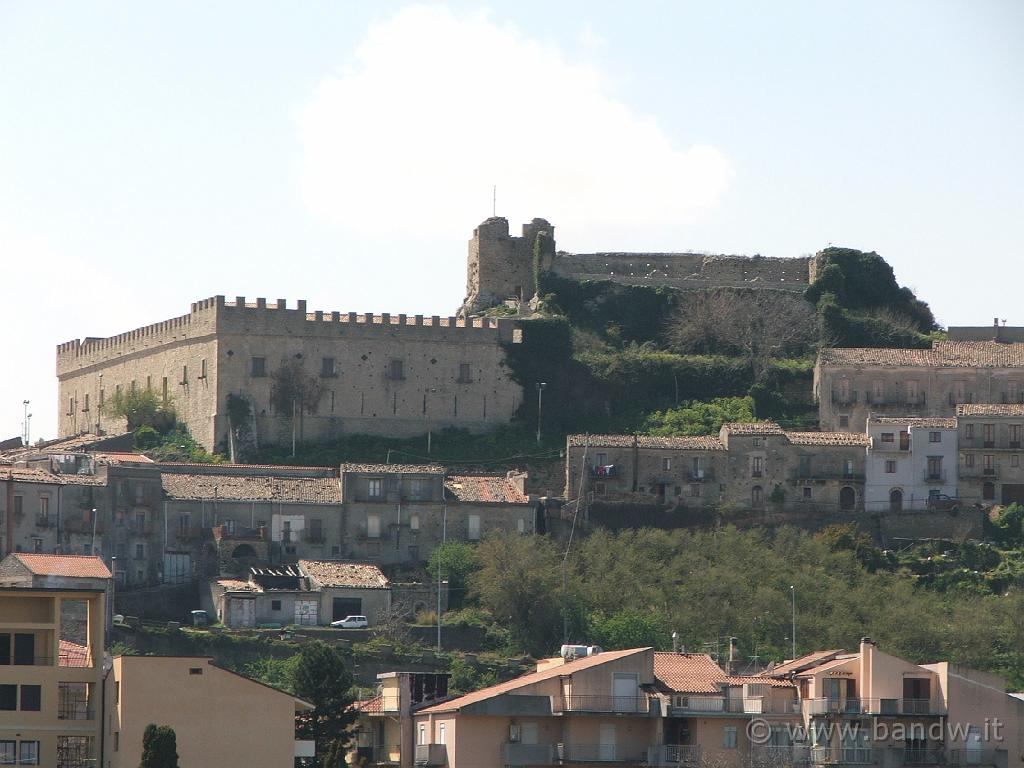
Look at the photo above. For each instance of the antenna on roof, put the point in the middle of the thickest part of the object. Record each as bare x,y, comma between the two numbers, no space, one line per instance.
494,200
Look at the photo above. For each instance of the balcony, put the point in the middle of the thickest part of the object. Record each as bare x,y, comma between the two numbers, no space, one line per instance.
314,537
935,476
1012,397
600,753
43,521
80,525
888,707
700,476
640,705
883,403
752,705
840,475
193,533
768,756
986,757
431,754
841,755
669,755
379,754
841,398
604,470
905,756
531,754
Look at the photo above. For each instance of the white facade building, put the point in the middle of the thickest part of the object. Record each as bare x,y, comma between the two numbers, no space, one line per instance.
909,460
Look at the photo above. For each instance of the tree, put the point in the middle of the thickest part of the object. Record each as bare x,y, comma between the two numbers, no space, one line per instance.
697,418
456,561
321,678
159,747
629,628
141,408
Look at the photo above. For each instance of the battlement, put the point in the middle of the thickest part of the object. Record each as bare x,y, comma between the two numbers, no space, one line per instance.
215,315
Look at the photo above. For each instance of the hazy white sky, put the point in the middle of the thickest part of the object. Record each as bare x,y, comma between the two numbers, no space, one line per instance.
153,154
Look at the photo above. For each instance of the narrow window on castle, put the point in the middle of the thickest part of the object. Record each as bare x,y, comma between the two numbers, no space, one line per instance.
666,463
332,401
117,390
149,383
258,367
485,407
328,368
184,375
464,375
102,398
133,385
86,407
394,403
395,370
456,405
424,404
202,368
362,403
71,406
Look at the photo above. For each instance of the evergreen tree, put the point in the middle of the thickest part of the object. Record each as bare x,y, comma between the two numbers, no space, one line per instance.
159,747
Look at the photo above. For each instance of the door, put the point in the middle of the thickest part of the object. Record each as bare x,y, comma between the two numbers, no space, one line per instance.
973,746
847,498
243,613
895,500
606,747
177,567
528,733
306,612
832,693
346,606
624,692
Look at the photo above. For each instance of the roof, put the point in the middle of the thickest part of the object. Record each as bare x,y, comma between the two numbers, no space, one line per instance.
76,566
753,428
990,409
758,680
486,488
31,475
72,655
688,672
682,442
395,469
370,706
554,671
237,585
334,573
943,354
939,422
826,665
807,660
828,438
309,490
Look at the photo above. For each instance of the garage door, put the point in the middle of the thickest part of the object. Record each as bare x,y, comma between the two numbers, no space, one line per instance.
306,612
1013,492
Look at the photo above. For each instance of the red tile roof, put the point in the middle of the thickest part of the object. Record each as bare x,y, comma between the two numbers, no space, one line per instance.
688,673
394,469
943,354
73,655
808,660
309,490
79,566
680,442
753,428
333,573
369,706
30,475
548,673
492,488
990,409
828,438
939,422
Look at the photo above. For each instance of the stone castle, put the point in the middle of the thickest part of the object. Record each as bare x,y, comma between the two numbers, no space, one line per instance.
384,374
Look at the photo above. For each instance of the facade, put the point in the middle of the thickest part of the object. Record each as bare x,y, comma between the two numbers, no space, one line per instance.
991,453
51,673
219,718
911,463
383,374
851,384
747,466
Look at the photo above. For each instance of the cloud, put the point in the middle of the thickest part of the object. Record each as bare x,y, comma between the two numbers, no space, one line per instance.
436,107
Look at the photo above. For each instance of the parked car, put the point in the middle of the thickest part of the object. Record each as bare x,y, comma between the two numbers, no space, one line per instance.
943,503
351,622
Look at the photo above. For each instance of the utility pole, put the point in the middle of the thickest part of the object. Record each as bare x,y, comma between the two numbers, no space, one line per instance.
444,535
540,402
792,593
24,432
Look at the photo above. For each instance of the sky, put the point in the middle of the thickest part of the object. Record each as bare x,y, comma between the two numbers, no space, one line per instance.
152,154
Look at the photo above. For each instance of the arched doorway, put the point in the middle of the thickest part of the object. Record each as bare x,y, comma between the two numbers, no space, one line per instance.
895,500
245,556
847,498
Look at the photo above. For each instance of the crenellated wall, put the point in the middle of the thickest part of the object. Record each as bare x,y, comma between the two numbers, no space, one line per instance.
391,374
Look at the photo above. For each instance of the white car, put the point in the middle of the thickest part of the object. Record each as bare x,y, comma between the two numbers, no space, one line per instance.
351,622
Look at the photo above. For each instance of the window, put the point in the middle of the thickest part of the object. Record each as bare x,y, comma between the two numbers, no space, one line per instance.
969,431
441,739
848,468
316,530
373,526
140,551
202,368
844,421
8,698
414,522
1015,434
258,367
521,525
968,459
184,374
935,468
44,510
729,737
86,408
163,389
7,752
28,753
888,437
473,526
117,692
890,466
695,491
912,392
934,437
805,466
275,605
878,390
756,496
988,491
416,489
1015,460
31,698
666,463
396,370
195,670
328,368
19,505
464,374
807,493
757,442
756,466
183,519
374,487
229,523
988,464
71,406
988,432
601,459
422,737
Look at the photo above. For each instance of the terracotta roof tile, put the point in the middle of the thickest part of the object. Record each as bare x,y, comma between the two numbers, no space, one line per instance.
990,409
548,673
828,438
81,566
369,706
31,475
807,660
394,469
753,428
758,680
688,673
309,490
682,442
939,422
334,573
484,488
72,655
943,354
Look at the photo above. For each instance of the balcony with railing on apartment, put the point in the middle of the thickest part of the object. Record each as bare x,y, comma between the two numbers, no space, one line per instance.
804,474
430,754
842,755
379,754
899,756
604,470
605,704
600,753
872,706
935,475
517,753
673,755
899,403
733,705
779,756
844,398
1012,443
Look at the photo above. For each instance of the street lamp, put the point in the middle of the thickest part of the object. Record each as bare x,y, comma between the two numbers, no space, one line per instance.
792,592
540,401
24,423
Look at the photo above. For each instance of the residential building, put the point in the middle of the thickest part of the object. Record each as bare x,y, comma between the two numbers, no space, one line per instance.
991,464
347,589
911,461
219,718
51,674
852,383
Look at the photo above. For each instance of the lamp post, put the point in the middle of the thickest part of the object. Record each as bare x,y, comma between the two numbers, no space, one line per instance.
792,593
540,402
24,423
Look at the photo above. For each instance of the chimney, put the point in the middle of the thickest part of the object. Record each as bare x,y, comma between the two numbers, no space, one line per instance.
867,666
733,652
675,642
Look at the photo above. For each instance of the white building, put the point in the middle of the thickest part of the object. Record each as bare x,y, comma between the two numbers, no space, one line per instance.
909,459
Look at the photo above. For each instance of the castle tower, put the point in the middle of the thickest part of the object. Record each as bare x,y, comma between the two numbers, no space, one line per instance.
501,266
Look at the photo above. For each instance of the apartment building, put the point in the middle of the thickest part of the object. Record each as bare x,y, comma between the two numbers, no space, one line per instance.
911,462
851,384
991,441
51,675
757,466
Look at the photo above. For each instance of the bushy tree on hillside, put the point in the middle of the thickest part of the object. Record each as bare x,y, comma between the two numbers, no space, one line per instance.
159,747
456,561
140,408
321,678
697,418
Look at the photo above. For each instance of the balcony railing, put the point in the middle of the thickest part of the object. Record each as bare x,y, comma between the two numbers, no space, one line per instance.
768,756
814,474
431,754
986,757
531,754
379,754
601,703
599,753
75,710
906,756
31,660
750,705
604,470
935,476
841,755
669,755
314,537
855,706
839,398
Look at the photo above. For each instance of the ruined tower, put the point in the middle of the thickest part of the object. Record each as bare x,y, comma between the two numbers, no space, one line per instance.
500,266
